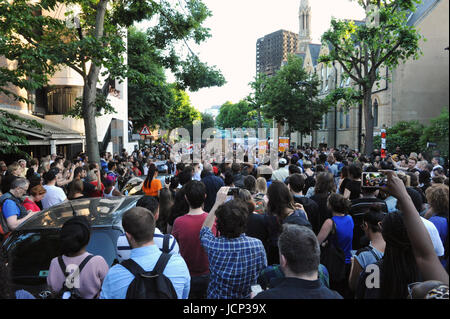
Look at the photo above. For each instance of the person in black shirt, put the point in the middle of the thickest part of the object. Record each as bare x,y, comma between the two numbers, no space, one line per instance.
352,189
360,206
324,187
412,162
296,183
299,261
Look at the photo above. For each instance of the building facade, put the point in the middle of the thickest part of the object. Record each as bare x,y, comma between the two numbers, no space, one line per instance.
415,90
273,49
54,100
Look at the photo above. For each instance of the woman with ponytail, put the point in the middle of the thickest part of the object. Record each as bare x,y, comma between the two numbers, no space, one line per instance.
152,185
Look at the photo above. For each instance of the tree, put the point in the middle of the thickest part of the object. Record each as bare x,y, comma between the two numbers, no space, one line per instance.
182,113
149,95
235,115
384,41
207,121
437,132
92,42
256,98
289,102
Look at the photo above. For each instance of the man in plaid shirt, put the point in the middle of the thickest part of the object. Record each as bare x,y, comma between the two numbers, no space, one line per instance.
235,260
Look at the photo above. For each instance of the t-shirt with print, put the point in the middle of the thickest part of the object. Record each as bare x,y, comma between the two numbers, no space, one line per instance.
91,276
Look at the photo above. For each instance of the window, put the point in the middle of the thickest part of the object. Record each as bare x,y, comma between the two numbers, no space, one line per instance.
375,113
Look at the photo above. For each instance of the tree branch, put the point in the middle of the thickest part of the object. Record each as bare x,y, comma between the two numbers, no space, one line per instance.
383,59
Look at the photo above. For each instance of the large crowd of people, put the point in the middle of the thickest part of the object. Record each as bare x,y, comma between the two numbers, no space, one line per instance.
307,229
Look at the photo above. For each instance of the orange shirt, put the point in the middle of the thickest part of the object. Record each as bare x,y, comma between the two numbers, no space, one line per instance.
155,186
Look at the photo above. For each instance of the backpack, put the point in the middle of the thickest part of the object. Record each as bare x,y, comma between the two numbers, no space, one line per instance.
4,229
150,284
260,204
333,258
73,292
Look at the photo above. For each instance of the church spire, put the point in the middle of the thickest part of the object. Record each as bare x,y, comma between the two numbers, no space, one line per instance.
304,35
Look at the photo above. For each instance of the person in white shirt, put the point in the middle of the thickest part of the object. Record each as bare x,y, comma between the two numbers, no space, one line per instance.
282,173
55,195
123,246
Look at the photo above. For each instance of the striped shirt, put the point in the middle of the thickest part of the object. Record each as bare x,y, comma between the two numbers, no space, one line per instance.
234,263
124,249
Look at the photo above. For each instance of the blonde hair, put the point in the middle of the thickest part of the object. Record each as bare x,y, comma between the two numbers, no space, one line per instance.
261,185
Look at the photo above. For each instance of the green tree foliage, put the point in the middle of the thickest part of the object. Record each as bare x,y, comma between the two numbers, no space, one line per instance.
404,134
207,121
149,95
10,136
385,41
237,115
289,102
182,113
93,43
437,132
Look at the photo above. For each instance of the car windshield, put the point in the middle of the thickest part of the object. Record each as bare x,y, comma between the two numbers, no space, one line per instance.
99,211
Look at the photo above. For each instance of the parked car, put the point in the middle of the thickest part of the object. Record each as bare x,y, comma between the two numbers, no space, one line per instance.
31,247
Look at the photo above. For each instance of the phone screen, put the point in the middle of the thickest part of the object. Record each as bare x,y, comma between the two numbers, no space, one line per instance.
373,179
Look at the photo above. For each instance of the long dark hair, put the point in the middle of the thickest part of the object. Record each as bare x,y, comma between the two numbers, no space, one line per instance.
280,198
398,268
165,205
150,175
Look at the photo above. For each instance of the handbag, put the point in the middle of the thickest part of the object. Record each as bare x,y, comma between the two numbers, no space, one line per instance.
333,258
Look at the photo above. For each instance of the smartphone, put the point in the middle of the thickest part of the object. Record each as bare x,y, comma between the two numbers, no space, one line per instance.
373,180
256,289
233,191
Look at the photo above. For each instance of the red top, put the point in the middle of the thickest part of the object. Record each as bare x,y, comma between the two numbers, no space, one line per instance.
96,192
30,205
186,230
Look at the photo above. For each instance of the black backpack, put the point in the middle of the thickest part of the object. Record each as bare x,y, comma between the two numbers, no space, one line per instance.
150,284
333,258
66,292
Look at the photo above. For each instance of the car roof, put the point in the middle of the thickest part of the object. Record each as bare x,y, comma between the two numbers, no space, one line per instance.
100,212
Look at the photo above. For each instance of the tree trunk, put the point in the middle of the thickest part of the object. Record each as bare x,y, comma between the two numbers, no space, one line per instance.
368,119
90,93
89,110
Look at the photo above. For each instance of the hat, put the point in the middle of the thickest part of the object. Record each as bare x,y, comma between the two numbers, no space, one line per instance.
282,161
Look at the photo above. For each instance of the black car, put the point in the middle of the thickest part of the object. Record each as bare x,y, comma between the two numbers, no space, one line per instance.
31,247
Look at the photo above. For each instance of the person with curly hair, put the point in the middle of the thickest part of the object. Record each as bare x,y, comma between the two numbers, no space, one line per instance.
438,198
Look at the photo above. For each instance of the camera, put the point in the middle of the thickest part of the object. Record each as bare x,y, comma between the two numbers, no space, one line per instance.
233,191
373,180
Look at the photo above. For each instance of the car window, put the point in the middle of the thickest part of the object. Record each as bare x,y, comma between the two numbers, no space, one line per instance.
30,253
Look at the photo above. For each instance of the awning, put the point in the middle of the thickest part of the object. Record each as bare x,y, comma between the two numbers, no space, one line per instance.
50,133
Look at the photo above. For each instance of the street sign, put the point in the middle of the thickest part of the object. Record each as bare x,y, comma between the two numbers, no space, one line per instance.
145,131
283,144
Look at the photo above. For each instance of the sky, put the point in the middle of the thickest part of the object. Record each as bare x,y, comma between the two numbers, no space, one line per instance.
235,27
